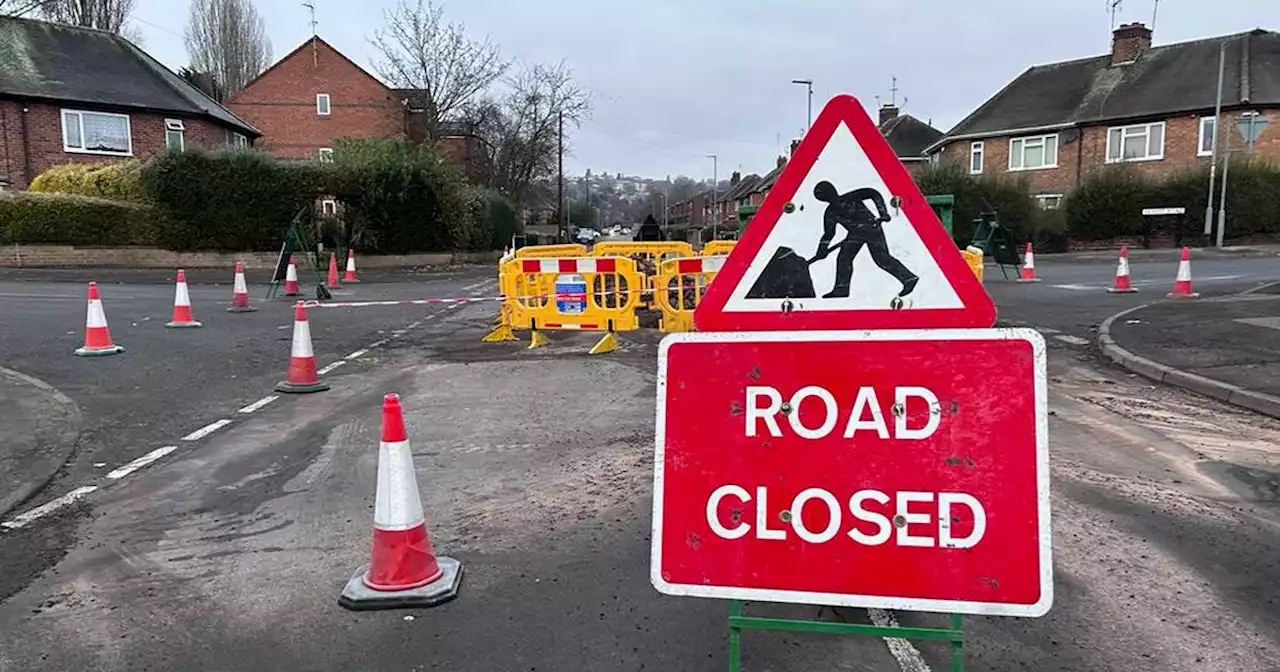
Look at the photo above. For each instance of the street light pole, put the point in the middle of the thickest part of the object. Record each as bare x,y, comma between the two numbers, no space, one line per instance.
808,83
715,183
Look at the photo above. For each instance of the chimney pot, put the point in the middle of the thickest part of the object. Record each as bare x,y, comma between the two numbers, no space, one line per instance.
888,112
1129,41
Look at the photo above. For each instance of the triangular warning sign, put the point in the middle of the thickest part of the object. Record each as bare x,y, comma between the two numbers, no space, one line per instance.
844,240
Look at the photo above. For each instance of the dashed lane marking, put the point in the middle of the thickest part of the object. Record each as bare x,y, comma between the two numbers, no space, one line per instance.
331,367
377,344
356,355
258,404
140,462
1048,330
907,655
23,519
1073,340
206,430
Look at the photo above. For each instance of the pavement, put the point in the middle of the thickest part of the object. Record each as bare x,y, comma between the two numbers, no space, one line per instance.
40,426
228,550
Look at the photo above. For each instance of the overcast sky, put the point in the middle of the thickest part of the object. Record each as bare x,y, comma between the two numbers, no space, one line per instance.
675,80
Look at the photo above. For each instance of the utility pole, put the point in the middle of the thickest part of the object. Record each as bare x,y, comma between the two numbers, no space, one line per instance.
1222,200
715,184
808,83
1217,132
560,184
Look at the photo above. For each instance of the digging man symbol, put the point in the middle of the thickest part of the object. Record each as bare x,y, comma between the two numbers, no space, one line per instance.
863,227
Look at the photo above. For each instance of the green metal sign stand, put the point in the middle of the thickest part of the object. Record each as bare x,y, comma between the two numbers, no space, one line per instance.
953,634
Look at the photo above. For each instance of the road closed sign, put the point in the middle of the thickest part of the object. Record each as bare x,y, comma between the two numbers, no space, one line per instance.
902,469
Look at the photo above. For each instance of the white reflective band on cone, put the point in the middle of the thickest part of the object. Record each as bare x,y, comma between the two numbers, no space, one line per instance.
95,318
1184,271
398,505
180,296
302,339
240,287
291,273
1124,267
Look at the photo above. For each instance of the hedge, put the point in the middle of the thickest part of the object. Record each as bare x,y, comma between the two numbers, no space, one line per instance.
1009,199
231,199
59,219
115,181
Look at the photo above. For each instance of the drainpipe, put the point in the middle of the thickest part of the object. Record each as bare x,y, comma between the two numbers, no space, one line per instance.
1079,156
26,148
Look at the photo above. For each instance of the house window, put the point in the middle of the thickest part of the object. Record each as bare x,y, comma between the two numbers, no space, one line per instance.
975,157
322,104
1048,201
325,154
1141,142
173,139
935,158
96,133
1040,151
239,140
1208,134
328,207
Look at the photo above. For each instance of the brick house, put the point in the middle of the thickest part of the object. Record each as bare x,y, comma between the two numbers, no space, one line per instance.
78,95
908,136
1151,107
315,95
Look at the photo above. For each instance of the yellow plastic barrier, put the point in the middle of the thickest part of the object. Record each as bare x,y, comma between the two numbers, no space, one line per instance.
718,247
507,270
678,288
610,292
561,250
648,256
973,256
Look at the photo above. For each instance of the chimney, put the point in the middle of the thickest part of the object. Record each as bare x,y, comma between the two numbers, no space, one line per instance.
1128,42
782,161
794,144
735,178
888,112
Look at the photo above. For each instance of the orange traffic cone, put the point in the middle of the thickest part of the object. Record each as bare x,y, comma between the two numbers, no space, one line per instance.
1182,283
182,305
97,337
350,275
1028,266
403,570
302,359
240,293
291,279
1122,284
333,271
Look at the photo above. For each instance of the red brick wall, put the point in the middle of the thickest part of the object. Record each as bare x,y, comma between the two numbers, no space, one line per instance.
44,137
1077,159
282,103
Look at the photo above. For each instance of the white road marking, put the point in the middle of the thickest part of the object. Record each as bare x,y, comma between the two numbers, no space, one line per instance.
455,306
24,519
206,430
258,404
908,656
377,344
141,462
477,285
1149,283
398,333
1048,330
1073,340
355,355
415,325
331,367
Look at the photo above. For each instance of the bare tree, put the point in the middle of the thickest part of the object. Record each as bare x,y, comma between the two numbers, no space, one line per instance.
109,15
421,51
19,7
523,127
227,40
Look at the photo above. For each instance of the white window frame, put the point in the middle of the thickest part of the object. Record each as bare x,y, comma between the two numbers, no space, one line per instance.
79,118
1200,136
328,206
1049,140
175,126
324,106
325,154
1125,131
1042,200
239,140
977,150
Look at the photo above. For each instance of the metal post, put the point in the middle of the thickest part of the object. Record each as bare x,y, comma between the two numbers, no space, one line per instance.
735,637
1217,131
1222,200
808,83
564,230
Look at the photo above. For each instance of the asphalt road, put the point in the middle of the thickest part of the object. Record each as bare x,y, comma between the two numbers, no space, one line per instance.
229,552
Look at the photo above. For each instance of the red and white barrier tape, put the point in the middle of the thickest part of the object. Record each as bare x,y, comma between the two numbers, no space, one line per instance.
405,302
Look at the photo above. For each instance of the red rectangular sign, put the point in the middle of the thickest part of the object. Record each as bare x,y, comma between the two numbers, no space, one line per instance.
894,469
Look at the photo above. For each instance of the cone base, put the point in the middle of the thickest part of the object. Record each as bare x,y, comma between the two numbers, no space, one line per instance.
347,281
241,309
292,294
183,325
1028,280
1122,290
1175,295
359,597
99,352
301,388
